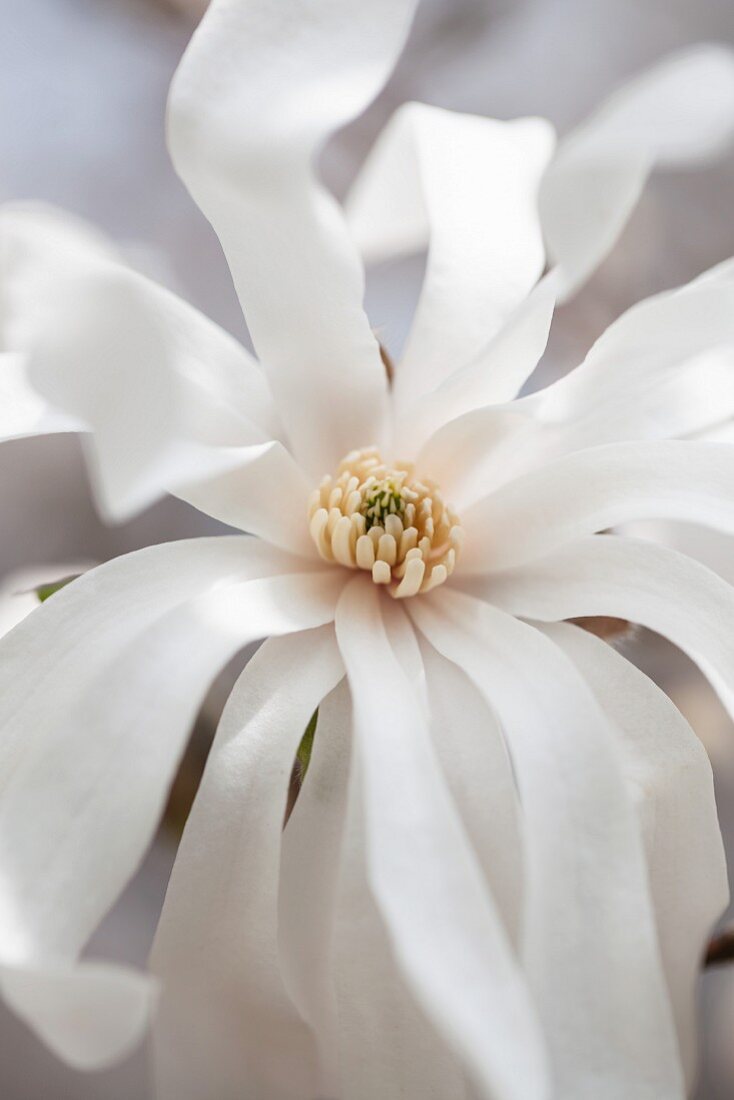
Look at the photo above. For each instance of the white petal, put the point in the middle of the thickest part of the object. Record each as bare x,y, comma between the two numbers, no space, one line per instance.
265,492
722,433
310,861
89,1015
99,688
670,773
38,241
259,90
678,113
664,368
474,758
712,548
165,391
481,450
28,230
495,375
227,1027
474,182
594,489
446,933
589,942
23,412
107,608
388,1049
646,584
18,595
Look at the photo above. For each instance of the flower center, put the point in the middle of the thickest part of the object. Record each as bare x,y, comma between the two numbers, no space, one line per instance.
382,519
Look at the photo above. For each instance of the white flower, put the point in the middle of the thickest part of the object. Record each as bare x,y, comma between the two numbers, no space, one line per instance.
504,859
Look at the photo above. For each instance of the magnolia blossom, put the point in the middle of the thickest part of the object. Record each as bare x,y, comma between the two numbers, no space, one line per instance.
504,859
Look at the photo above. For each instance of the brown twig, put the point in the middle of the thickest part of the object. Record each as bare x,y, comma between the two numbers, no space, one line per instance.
721,948
387,364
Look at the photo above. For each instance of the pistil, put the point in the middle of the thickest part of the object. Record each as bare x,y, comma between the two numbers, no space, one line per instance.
385,521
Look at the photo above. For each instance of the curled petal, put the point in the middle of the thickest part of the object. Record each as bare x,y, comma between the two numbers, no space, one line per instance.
259,90
166,392
227,1025
589,943
29,231
387,1046
678,113
472,183
633,580
309,883
23,412
473,754
456,957
668,770
264,492
664,368
99,687
494,376
591,490
89,1014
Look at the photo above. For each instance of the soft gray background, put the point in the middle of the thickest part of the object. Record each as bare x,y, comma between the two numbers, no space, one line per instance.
82,92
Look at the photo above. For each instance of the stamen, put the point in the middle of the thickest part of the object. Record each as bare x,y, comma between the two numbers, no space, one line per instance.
387,522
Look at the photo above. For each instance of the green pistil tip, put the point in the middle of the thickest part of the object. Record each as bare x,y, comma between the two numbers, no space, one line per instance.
383,499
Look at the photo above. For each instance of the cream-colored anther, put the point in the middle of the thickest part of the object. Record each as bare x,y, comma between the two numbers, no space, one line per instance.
385,521
342,540
381,573
412,578
365,552
387,549
394,526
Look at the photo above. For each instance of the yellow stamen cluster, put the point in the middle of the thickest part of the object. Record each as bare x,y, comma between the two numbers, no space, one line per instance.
382,519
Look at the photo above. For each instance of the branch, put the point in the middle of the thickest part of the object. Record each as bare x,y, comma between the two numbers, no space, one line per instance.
721,948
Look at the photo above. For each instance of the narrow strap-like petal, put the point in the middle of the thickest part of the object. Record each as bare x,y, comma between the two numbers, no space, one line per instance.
310,861
670,775
589,942
165,391
446,932
478,770
227,1026
664,368
98,691
598,488
23,412
494,376
89,1014
30,230
473,183
19,589
387,1045
678,113
259,90
264,492
634,580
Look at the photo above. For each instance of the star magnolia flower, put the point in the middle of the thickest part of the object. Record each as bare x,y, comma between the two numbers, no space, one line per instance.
504,858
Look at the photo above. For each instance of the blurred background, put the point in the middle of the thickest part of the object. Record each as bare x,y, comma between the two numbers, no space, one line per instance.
82,94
